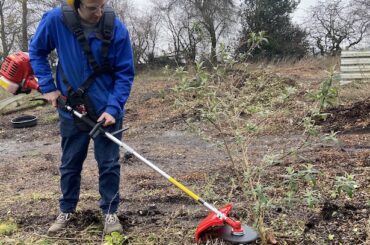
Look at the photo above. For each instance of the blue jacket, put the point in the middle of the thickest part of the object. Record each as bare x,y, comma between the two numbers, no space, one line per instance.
106,94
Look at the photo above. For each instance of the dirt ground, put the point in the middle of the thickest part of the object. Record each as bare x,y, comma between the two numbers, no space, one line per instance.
152,211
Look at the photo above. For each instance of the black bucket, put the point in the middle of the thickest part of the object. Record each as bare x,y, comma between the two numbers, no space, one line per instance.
25,121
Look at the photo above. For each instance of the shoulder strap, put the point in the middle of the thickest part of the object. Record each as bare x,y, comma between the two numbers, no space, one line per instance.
106,29
107,23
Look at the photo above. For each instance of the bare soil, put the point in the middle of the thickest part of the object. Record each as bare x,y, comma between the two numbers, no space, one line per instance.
349,118
152,211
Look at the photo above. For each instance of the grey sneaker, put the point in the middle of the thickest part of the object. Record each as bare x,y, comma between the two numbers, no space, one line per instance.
111,224
60,223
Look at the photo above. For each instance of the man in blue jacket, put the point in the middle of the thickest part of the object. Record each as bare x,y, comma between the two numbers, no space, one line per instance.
108,93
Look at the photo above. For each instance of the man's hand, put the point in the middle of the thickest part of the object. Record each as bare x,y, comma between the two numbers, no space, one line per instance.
109,119
52,97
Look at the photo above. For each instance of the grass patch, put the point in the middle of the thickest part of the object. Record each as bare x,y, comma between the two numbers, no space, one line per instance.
8,228
37,197
151,74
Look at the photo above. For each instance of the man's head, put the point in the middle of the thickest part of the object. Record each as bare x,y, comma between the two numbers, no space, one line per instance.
89,10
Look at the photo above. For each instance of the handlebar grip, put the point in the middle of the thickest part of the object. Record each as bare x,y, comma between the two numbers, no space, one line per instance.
97,129
62,102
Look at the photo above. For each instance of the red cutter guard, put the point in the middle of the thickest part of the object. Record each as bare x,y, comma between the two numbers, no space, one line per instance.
225,228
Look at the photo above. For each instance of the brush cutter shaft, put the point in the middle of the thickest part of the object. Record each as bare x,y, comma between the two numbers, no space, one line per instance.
164,174
153,166
168,177
130,150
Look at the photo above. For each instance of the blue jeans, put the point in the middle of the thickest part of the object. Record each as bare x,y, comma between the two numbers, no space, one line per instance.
75,145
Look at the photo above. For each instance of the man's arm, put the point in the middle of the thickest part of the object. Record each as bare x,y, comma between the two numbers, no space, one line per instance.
124,72
41,45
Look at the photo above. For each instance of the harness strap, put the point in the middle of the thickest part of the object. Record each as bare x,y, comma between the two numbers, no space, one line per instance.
72,21
93,76
106,28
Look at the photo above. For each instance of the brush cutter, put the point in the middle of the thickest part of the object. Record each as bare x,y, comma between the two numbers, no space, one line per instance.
216,225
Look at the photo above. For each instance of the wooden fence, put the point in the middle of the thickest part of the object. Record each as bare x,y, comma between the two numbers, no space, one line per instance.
354,65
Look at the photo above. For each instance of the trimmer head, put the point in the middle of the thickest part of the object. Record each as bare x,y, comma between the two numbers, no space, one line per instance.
226,229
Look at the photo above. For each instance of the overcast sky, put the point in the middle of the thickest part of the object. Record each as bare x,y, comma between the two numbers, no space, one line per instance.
302,9
297,16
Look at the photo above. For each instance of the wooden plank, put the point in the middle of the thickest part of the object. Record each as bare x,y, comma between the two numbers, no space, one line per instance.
351,76
360,68
355,61
350,54
355,65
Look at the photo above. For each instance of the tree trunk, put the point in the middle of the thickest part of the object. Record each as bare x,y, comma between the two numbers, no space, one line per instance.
24,42
213,47
2,31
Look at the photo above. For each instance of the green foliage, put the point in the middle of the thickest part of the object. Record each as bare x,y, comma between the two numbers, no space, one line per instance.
227,99
8,228
290,198
254,41
332,137
345,184
115,238
257,39
44,242
292,179
263,202
273,18
310,128
310,198
309,174
208,190
271,159
327,95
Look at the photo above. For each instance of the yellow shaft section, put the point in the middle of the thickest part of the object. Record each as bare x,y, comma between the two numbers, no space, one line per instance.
184,189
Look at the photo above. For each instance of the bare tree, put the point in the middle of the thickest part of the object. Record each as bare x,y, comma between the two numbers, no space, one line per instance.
122,8
215,16
182,29
335,25
9,25
363,10
144,36
144,29
205,19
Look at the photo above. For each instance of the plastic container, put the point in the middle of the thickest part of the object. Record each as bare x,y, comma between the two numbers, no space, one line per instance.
24,121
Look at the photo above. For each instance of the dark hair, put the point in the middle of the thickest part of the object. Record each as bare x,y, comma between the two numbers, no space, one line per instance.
77,4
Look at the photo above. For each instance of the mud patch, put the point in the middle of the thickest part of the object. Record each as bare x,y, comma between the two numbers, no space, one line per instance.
352,118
